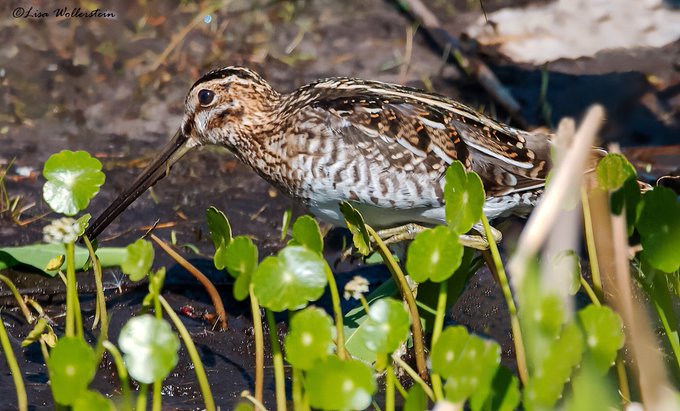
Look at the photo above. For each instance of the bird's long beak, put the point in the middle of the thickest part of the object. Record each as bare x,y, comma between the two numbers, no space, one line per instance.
159,168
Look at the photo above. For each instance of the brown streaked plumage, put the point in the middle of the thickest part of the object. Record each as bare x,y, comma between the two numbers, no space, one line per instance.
382,146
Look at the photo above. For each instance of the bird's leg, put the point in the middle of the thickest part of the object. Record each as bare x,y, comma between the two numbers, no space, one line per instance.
409,232
480,242
401,233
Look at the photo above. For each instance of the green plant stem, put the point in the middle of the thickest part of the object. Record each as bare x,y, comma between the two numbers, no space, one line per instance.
141,397
22,399
20,301
400,388
663,305
156,401
364,303
298,399
279,377
193,354
436,332
406,292
623,378
389,388
259,344
520,354
101,298
589,291
158,384
207,284
258,405
45,353
337,310
74,319
122,372
414,375
590,245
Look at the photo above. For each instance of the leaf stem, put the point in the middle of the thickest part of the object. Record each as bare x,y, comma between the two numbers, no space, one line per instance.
337,310
400,388
589,291
663,305
101,298
259,344
74,319
20,301
258,405
590,245
436,332
406,292
364,303
22,399
298,402
156,400
414,375
207,284
141,397
193,354
279,377
122,372
512,309
389,388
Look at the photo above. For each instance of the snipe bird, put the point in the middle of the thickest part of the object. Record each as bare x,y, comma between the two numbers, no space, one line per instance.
383,147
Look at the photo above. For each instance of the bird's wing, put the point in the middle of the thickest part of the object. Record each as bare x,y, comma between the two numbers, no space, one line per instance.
428,132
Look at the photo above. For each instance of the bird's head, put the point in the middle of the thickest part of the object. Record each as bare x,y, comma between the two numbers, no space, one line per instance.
228,106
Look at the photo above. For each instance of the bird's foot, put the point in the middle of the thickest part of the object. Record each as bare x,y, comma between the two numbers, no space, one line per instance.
401,233
410,231
395,235
480,241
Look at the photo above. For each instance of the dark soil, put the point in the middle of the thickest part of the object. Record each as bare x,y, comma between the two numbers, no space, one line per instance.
105,86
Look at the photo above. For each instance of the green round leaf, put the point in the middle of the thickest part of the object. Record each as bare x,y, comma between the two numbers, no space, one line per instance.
603,335
73,178
306,232
242,286
83,221
333,384
93,400
355,224
72,365
244,406
387,326
468,362
630,197
310,338
149,347
613,170
219,227
239,257
464,196
554,368
416,400
659,227
548,315
288,281
434,255
502,395
139,259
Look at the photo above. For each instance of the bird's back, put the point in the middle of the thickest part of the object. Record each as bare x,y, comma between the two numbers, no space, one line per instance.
386,148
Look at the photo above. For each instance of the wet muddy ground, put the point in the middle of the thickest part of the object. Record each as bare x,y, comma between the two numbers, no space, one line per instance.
115,88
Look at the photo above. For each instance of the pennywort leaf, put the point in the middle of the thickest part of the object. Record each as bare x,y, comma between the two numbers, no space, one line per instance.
73,178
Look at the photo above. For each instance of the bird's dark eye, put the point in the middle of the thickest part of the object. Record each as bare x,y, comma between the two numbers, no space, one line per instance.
205,97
